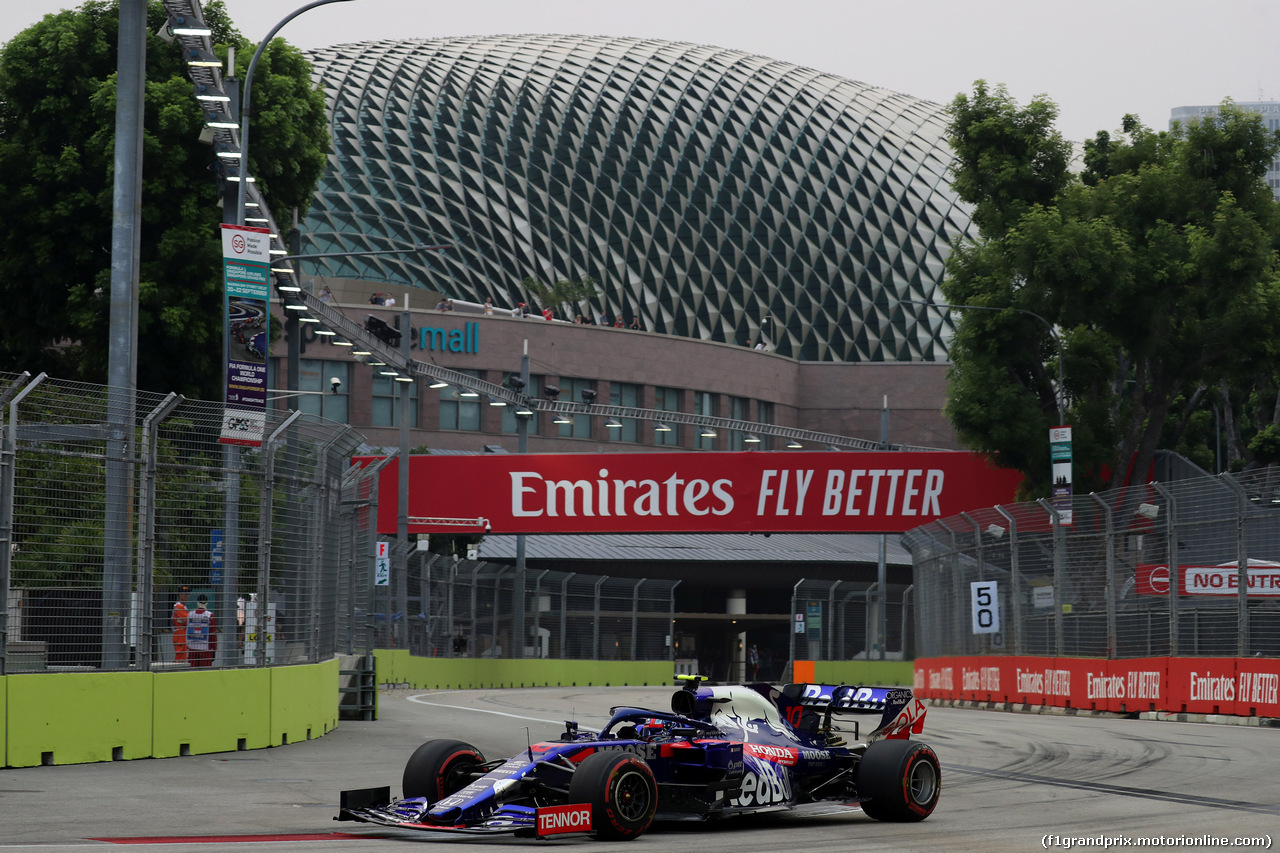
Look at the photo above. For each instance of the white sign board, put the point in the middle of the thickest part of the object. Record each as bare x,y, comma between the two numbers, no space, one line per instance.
382,564
986,607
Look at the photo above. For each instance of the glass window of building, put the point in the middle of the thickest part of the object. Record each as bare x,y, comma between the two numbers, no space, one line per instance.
624,394
578,426
704,403
509,412
316,375
764,415
457,411
668,400
385,404
738,407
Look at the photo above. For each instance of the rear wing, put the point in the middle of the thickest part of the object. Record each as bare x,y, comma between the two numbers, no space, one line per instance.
901,714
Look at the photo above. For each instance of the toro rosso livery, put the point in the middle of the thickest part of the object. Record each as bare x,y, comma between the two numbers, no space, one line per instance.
719,751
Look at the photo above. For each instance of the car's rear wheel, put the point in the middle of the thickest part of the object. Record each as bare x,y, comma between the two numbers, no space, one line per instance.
622,792
439,768
899,781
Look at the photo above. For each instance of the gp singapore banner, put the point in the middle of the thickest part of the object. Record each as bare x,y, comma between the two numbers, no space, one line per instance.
776,492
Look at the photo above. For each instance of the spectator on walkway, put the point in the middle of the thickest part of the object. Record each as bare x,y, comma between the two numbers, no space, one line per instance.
326,295
617,322
488,306
202,633
179,622
635,324
548,314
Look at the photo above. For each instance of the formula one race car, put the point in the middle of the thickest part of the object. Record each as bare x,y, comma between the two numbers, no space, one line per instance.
720,751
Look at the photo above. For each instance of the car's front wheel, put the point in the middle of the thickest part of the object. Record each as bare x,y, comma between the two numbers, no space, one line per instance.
899,781
439,768
622,792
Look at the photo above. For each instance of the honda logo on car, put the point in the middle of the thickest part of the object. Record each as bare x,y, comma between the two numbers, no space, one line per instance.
557,820
776,754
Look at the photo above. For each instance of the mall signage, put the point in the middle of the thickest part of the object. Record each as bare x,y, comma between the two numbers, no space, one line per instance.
764,492
246,267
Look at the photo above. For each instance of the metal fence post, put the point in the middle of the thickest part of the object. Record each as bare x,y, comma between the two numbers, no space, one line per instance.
1175,571
595,621
1059,570
1242,567
671,622
1110,534
907,653
564,614
266,495
8,472
635,615
1015,580
795,602
142,622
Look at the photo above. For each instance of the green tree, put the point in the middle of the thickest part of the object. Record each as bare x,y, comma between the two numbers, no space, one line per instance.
562,293
57,123
1157,265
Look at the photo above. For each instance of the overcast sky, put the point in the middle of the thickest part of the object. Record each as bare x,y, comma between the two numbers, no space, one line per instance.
1097,59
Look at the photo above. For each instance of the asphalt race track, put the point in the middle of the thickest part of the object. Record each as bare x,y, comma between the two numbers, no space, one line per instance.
1008,781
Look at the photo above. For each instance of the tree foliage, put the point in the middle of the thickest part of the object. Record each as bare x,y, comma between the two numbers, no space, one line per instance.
1157,267
57,124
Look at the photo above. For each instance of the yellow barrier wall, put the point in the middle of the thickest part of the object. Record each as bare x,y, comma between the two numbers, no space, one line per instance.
77,718
890,672
396,666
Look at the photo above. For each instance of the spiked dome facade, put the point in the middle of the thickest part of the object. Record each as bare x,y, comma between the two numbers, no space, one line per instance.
714,194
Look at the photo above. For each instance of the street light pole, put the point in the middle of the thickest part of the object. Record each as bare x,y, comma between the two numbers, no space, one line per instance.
244,101
1059,396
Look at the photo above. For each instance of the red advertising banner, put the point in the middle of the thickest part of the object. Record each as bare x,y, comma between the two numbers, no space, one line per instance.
772,492
1262,579
1248,687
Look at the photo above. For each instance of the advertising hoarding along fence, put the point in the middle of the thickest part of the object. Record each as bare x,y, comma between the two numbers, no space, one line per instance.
246,264
1246,687
773,492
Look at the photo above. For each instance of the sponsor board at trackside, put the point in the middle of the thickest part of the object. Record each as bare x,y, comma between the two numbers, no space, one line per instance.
696,492
1240,686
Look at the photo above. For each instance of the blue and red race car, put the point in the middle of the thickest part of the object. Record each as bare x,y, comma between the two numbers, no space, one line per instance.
719,751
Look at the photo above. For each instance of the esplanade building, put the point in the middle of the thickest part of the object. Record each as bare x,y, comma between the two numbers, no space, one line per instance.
755,239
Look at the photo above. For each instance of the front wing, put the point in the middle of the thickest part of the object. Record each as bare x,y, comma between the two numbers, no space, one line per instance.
374,805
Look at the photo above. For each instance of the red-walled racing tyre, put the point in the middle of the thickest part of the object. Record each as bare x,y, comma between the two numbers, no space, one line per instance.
439,768
621,790
899,781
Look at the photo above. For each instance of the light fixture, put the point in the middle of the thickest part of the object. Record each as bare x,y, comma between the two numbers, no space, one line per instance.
792,444
707,432
180,26
751,438
613,423
218,118
298,306
288,288
341,343
561,418
388,372
515,383
212,96
438,383
277,252
252,204
199,57
376,363
995,531
404,378
360,352
236,178
662,426
551,391
256,219
523,411
230,155
307,319
467,392
326,332
496,401
1147,511
588,396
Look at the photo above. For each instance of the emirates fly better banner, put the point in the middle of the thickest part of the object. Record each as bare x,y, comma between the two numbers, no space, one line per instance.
695,492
